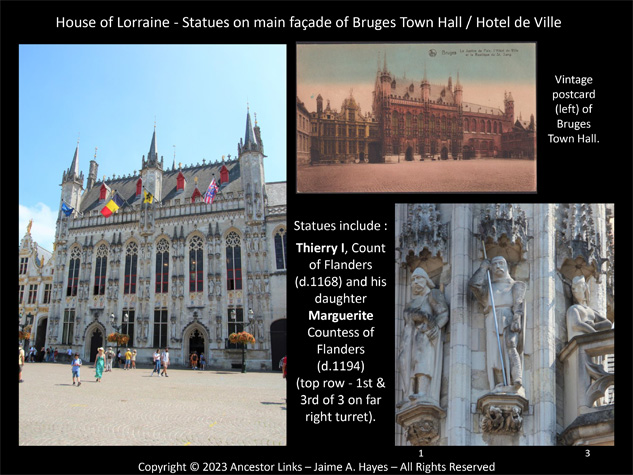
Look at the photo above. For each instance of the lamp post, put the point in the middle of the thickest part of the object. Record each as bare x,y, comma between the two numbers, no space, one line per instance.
251,321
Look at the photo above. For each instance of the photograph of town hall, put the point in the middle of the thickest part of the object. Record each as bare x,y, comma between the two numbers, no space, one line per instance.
444,117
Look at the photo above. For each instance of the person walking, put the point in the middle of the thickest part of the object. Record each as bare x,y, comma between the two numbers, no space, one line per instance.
164,357
69,353
99,364
109,358
76,366
21,362
194,360
128,359
156,362
133,359
283,367
202,361
55,353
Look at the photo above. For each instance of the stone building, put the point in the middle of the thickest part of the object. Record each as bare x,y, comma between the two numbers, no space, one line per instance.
176,271
345,136
412,120
520,142
35,287
548,378
303,134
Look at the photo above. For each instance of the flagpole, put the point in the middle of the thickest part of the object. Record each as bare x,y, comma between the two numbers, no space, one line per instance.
494,313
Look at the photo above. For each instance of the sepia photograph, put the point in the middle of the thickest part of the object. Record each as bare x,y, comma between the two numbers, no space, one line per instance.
416,118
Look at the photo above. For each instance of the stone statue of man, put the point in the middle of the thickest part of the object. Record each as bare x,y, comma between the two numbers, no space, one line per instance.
581,318
420,358
509,333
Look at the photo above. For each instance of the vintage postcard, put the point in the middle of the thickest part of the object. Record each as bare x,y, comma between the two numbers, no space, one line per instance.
416,117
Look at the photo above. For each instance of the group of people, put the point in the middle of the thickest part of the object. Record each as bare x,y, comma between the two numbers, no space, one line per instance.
44,355
161,361
197,362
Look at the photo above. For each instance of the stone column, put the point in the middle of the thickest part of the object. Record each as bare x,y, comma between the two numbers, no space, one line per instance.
459,420
401,297
541,322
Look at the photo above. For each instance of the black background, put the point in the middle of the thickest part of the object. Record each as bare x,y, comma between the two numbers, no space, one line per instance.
595,40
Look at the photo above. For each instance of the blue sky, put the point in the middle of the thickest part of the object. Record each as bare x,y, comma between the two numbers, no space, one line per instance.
109,96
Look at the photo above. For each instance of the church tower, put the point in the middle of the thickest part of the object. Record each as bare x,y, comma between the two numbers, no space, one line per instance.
251,159
152,170
73,182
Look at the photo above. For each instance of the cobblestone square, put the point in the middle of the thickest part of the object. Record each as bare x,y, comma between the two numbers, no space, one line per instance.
454,176
135,408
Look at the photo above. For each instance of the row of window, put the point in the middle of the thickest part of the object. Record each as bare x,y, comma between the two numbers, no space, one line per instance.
196,265
398,121
32,294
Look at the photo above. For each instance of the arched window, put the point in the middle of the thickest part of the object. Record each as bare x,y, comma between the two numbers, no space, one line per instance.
233,262
394,123
162,267
131,258
196,264
73,272
101,265
466,125
407,124
421,124
68,326
280,248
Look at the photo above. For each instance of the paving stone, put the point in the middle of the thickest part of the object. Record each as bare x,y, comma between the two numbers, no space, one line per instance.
134,408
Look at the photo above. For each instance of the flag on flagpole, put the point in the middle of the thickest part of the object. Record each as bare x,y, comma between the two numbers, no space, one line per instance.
67,210
213,189
114,204
147,197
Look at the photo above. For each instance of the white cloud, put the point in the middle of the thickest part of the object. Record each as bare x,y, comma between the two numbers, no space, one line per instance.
43,229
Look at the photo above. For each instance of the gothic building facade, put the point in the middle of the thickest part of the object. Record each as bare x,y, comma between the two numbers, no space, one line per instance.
413,120
175,272
35,279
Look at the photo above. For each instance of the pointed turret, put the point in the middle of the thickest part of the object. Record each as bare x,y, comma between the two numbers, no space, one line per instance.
152,170
458,91
251,163
250,143
73,182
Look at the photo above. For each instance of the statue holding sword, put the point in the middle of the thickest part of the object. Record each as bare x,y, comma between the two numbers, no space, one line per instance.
503,301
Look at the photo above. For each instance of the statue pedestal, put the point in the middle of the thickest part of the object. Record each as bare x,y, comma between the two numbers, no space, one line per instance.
421,421
502,414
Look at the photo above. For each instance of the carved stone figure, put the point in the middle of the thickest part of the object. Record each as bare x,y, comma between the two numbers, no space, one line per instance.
493,420
420,358
581,318
509,334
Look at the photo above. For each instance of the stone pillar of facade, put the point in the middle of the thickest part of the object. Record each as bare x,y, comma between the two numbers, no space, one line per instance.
542,320
459,420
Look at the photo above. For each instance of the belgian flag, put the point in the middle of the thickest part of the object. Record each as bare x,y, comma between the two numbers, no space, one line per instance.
114,204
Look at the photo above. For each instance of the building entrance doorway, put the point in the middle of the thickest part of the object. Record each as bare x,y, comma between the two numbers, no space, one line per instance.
96,341
196,343
277,342
40,336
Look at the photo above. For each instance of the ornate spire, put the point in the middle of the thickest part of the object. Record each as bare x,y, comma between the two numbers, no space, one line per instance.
251,142
72,174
